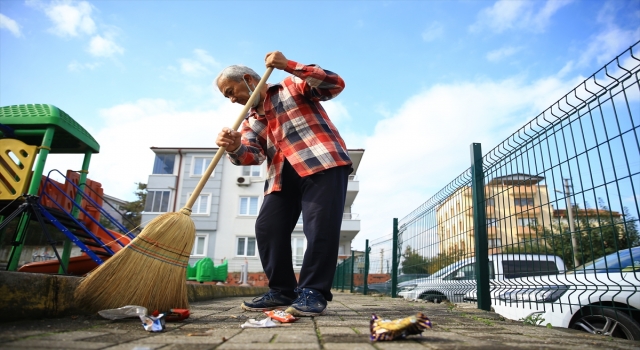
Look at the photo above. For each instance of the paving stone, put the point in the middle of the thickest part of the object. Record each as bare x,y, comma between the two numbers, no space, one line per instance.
49,344
348,346
215,324
271,346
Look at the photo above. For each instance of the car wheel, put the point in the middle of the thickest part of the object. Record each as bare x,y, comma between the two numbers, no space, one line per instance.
435,297
607,322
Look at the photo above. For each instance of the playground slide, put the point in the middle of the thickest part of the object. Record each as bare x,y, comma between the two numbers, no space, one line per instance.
78,265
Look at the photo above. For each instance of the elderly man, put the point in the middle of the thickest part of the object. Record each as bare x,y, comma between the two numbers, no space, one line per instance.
307,171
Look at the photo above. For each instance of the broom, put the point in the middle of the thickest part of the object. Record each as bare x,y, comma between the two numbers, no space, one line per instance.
150,271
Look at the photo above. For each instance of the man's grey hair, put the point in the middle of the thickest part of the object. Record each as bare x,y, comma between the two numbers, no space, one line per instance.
236,72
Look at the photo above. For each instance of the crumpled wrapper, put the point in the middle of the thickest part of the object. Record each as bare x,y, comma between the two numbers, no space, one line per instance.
281,316
398,329
264,323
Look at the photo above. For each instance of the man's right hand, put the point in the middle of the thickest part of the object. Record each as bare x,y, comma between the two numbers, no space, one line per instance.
229,138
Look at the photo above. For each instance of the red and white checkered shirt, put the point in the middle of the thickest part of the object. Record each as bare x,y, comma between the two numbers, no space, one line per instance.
294,126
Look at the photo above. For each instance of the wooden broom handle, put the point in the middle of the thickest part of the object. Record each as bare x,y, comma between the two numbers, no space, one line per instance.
205,177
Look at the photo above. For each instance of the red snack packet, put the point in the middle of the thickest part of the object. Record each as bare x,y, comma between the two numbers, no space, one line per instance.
177,314
279,315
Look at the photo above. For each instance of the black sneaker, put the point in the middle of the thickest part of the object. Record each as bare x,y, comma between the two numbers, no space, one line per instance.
268,301
309,303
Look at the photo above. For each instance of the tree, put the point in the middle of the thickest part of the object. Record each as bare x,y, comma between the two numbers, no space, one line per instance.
413,262
597,235
133,210
416,263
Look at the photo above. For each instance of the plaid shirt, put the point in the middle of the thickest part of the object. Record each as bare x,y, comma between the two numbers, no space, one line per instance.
294,126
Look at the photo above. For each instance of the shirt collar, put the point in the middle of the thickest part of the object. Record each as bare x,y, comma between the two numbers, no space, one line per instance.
252,111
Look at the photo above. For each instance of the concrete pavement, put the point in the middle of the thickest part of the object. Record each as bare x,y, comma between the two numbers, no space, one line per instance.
215,324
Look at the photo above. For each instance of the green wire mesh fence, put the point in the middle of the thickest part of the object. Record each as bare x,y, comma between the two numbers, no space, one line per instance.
543,227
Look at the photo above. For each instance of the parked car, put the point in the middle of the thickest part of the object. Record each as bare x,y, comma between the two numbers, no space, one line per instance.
454,281
601,297
385,287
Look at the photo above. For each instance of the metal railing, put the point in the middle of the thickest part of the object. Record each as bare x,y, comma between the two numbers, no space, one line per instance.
543,227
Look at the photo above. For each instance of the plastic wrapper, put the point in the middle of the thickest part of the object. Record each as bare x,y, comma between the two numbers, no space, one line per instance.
153,323
124,312
265,323
397,329
281,316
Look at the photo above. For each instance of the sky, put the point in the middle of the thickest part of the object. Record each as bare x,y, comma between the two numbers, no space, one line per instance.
424,79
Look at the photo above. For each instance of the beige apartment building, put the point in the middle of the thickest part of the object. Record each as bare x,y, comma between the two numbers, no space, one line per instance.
515,205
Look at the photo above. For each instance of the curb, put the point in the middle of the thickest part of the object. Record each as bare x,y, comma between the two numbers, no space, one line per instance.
28,296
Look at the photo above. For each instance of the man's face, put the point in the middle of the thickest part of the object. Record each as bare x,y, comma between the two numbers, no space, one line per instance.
235,91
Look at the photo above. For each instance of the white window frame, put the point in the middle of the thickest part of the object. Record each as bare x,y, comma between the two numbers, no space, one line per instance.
494,242
245,248
529,222
529,201
250,169
197,204
248,205
206,160
168,201
294,257
173,172
204,248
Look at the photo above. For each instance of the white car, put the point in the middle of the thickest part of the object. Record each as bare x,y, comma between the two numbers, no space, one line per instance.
602,297
454,281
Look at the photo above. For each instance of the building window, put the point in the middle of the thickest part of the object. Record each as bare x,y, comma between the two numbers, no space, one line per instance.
163,164
200,246
491,202
492,222
246,246
525,222
202,204
157,202
199,165
299,222
252,170
523,202
298,246
495,242
248,206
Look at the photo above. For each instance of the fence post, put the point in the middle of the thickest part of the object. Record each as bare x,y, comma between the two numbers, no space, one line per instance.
351,271
344,272
366,267
394,261
480,228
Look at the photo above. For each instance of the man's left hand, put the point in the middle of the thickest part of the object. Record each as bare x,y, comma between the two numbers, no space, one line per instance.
276,59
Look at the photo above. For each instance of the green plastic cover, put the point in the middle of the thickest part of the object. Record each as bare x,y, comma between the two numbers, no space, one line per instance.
69,136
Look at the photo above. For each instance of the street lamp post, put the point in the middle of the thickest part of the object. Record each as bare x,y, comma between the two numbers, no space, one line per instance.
572,230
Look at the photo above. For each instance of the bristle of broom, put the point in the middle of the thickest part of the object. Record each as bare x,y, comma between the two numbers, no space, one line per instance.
149,272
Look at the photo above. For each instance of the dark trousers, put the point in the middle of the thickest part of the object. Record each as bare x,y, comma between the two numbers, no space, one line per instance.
320,197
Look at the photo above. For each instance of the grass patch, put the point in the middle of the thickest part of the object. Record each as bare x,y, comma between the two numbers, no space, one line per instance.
533,320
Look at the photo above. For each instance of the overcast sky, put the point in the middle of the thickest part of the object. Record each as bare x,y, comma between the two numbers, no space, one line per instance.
424,79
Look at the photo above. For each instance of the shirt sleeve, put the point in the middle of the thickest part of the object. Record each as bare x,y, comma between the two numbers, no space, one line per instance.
250,151
315,82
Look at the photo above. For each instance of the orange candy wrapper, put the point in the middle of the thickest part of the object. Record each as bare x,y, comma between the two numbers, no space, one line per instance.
279,315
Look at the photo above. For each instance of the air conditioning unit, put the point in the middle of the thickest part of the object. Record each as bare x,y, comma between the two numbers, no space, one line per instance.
243,181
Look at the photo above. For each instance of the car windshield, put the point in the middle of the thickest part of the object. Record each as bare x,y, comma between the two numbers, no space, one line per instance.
447,269
626,260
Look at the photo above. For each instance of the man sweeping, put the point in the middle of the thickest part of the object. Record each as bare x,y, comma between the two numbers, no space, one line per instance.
307,172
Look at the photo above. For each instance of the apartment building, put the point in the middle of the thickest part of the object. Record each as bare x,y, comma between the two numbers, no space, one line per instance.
227,208
515,205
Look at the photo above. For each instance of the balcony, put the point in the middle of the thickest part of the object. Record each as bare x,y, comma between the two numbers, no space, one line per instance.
353,187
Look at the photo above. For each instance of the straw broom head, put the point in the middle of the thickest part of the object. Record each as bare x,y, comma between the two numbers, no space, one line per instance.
148,272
